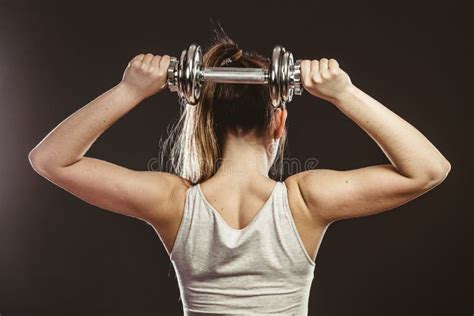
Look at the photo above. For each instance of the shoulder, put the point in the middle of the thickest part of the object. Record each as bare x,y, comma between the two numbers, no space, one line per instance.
309,187
170,192
165,183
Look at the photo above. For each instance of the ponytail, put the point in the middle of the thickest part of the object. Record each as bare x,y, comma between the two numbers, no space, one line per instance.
196,140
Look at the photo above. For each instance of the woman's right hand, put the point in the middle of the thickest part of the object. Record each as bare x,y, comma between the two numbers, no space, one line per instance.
324,78
146,75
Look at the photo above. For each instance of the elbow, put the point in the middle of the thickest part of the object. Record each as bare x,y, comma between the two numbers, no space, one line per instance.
442,171
436,174
38,162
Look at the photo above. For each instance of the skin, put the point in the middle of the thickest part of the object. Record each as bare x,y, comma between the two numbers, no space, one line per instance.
316,197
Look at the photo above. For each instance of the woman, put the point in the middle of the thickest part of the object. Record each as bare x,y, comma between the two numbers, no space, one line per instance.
239,241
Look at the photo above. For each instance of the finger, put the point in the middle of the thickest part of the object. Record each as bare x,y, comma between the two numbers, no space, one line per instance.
315,67
164,63
315,75
155,62
137,58
305,71
323,65
332,63
147,59
333,66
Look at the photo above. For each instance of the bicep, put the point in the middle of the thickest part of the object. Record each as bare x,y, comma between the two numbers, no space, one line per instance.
139,194
336,195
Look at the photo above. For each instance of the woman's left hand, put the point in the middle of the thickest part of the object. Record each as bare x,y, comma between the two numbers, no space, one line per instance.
146,74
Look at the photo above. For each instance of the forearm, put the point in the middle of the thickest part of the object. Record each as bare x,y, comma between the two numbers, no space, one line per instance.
70,140
409,151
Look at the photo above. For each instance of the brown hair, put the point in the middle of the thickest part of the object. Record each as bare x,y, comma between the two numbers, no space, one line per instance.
196,140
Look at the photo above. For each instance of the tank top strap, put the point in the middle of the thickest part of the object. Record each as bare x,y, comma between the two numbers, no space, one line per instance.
285,207
186,219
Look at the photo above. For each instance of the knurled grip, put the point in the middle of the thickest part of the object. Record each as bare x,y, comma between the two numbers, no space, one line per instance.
186,75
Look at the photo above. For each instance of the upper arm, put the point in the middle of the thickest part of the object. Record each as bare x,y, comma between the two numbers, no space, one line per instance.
141,194
334,195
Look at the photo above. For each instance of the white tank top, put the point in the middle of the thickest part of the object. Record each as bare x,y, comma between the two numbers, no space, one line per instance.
261,269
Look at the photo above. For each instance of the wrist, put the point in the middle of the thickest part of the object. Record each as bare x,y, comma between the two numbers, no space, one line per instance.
129,92
349,92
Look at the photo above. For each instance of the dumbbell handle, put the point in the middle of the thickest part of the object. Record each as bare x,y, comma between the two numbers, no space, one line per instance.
234,75
187,75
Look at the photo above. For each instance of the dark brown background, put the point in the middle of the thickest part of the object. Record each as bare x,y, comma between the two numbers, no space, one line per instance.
62,256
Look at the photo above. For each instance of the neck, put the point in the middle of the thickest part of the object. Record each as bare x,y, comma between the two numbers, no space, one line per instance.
243,157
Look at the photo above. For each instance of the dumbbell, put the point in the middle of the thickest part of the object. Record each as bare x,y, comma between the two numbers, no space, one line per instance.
186,75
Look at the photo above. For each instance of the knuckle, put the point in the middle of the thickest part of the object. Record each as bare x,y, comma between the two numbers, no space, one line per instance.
333,63
316,79
165,59
326,75
156,59
162,71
